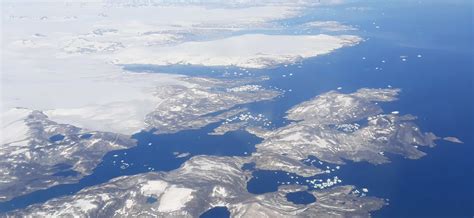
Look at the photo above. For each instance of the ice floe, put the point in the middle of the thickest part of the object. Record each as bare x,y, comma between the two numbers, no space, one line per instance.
453,139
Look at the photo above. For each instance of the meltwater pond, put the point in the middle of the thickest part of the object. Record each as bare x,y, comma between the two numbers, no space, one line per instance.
301,197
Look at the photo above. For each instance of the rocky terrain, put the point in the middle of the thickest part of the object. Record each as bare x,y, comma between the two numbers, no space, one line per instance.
335,127
202,183
207,101
37,153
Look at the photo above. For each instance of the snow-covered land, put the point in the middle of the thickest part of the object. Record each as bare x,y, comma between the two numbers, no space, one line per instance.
329,26
249,51
64,58
201,183
327,128
207,101
36,151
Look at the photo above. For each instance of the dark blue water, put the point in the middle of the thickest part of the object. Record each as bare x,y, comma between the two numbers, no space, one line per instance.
86,136
151,200
437,86
301,197
153,153
216,212
56,138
